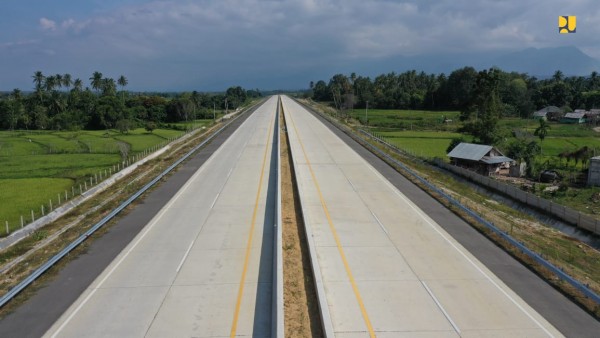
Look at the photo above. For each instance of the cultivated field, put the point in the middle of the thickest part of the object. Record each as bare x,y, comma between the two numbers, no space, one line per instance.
35,167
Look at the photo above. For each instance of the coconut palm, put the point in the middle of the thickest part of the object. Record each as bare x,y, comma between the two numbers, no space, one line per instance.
78,85
542,130
96,80
122,81
50,83
67,81
38,80
59,80
108,87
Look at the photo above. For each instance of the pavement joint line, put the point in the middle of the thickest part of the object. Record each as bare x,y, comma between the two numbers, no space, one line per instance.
437,302
120,261
336,237
250,236
380,224
215,201
146,230
187,252
439,232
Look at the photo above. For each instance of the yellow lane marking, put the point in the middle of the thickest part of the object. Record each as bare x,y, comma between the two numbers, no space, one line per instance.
249,244
335,236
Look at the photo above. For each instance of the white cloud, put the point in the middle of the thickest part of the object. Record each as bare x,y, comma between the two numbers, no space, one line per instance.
215,39
47,24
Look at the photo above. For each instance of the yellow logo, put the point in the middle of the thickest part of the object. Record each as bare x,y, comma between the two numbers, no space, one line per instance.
567,24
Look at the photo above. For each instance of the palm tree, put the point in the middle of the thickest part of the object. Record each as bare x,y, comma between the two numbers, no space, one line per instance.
50,83
59,80
96,80
38,79
542,130
558,76
66,81
78,85
122,81
108,87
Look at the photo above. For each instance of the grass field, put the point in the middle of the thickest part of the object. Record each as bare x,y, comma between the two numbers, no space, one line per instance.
421,143
36,166
408,119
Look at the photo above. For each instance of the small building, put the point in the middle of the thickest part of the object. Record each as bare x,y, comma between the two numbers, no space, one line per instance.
551,113
483,159
594,172
574,118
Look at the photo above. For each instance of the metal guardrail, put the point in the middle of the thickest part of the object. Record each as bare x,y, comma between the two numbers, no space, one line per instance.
537,258
52,261
277,321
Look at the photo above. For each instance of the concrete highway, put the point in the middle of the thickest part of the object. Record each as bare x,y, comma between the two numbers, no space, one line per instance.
383,266
388,260
202,266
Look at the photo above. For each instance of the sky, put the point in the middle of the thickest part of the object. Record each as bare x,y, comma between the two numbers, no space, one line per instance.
209,45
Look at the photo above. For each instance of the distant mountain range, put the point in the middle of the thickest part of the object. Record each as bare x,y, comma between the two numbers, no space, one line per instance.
542,62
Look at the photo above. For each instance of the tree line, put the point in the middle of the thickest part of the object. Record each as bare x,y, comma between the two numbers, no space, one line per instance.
482,97
60,102
520,94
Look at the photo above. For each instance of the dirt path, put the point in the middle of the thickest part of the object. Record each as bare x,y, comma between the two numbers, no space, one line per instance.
301,309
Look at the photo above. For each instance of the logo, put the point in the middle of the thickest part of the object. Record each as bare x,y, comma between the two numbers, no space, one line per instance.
567,24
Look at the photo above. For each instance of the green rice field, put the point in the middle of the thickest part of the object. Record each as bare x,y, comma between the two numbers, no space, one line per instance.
36,166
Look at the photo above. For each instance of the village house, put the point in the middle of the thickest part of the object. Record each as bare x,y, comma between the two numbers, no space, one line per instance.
483,159
550,113
577,117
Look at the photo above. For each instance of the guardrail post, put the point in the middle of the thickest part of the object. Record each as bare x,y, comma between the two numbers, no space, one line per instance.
7,230
32,216
50,205
43,213
22,222
72,191
58,199
85,185
66,196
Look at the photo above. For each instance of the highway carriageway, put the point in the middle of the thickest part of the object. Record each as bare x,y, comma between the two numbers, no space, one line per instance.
201,263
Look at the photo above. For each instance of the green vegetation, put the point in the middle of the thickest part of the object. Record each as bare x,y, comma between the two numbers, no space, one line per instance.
38,165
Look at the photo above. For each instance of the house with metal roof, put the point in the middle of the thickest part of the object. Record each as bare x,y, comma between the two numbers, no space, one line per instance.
574,118
484,159
552,113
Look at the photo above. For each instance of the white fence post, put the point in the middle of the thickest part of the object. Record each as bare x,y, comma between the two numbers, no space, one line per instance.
22,222
7,231
58,199
50,205
32,216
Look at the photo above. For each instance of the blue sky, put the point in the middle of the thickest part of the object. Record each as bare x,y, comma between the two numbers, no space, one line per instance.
212,44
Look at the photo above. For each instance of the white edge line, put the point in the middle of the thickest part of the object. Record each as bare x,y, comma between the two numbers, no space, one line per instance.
427,220
441,307
141,237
